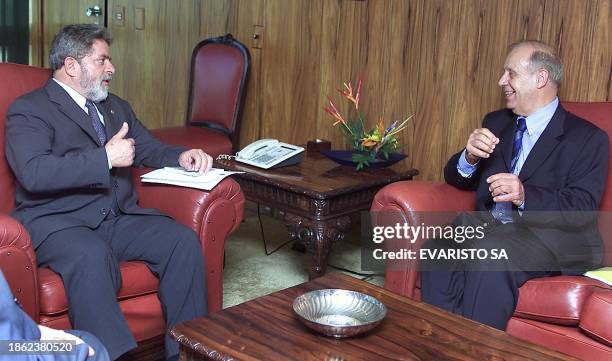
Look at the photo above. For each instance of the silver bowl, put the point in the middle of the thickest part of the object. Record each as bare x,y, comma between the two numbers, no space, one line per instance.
339,313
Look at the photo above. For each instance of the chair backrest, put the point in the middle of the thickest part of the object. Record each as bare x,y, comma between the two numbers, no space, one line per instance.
16,80
219,74
600,114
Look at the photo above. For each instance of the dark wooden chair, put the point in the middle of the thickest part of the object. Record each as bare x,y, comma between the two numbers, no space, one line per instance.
219,74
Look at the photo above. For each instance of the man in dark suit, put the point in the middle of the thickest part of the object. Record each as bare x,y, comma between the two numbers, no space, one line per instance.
16,325
70,146
539,173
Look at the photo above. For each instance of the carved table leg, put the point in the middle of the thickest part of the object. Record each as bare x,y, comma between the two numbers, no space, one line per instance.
318,236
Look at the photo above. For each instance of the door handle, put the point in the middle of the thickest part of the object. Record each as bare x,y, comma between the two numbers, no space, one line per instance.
93,11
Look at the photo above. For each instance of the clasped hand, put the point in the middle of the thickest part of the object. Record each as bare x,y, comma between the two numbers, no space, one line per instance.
504,187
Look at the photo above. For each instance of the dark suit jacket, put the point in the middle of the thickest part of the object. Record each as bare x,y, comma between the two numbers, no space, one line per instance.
564,178
61,168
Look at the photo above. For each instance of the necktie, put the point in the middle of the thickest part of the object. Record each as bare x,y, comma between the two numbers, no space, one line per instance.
502,211
521,126
95,121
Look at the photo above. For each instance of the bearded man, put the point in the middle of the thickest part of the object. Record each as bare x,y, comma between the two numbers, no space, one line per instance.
70,145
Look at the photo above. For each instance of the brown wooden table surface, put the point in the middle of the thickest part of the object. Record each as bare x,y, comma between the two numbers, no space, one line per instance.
267,329
316,196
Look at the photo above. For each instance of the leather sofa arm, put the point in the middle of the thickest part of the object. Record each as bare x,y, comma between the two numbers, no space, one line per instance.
417,196
213,215
18,264
414,203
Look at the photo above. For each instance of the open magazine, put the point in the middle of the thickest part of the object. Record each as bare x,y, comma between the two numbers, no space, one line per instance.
180,177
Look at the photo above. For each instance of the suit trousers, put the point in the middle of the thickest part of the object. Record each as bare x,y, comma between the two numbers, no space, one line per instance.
484,289
88,262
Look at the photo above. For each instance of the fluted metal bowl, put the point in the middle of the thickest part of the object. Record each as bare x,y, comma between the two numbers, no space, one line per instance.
339,313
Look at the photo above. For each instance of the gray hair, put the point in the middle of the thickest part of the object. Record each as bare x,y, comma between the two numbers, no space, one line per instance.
75,41
544,56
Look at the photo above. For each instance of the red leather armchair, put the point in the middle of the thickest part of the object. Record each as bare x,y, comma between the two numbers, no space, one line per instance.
571,314
212,215
219,74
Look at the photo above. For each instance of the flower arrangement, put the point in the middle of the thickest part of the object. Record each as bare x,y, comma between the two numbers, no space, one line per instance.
378,142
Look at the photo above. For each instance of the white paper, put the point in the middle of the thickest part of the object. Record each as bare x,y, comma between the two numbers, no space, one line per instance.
183,178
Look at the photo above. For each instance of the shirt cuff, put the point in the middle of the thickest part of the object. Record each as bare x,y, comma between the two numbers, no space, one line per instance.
464,167
110,165
521,208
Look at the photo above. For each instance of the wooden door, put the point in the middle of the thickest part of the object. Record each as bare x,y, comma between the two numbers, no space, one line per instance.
58,13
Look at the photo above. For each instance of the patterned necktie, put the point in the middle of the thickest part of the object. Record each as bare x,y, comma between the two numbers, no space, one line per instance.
521,126
95,121
502,211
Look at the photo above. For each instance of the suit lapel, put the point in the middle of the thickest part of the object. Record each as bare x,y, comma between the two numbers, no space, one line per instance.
71,109
547,142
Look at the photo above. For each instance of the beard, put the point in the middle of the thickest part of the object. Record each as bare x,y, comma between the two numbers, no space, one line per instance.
93,88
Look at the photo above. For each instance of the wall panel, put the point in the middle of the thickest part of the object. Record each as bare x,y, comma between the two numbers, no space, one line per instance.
342,59
177,49
218,17
140,61
581,32
290,72
439,38
250,14
391,55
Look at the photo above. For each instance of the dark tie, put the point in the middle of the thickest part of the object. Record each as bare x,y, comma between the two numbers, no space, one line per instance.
502,211
521,126
95,121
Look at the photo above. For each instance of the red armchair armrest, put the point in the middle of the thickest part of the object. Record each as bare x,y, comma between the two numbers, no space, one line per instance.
18,263
414,202
213,215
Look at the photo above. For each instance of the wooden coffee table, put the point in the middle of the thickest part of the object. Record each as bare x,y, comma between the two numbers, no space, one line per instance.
267,329
317,197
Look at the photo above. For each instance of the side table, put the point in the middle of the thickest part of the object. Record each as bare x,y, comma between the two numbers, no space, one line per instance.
317,196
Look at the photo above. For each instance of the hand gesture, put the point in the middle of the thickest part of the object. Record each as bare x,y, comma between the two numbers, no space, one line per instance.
121,150
506,187
196,160
50,334
480,144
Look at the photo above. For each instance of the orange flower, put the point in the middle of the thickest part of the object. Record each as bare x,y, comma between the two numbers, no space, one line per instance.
333,111
348,93
368,142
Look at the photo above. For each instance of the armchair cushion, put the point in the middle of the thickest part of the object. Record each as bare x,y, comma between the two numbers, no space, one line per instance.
566,339
19,263
136,280
558,300
596,317
213,142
